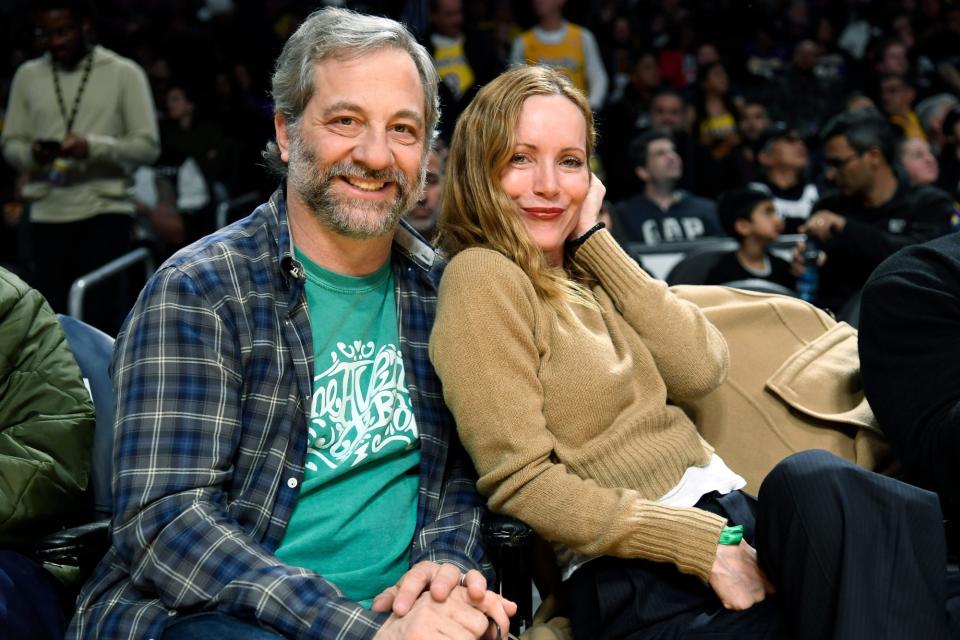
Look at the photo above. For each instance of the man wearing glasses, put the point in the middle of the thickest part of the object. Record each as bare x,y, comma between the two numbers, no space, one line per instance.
873,212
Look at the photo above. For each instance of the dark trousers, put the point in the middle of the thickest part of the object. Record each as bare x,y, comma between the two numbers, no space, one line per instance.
852,554
31,605
214,624
62,252
930,457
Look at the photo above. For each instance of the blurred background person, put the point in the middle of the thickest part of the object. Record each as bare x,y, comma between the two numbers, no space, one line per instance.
749,216
626,117
753,123
892,58
949,160
918,161
932,111
423,216
857,100
78,118
662,213
718,163
465,58
784,162
872,212
555,42
715,109
943,49
896,98
178,196
803,97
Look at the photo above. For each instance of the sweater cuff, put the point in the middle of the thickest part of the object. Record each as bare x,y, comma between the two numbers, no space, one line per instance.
100,147
616,270
687,537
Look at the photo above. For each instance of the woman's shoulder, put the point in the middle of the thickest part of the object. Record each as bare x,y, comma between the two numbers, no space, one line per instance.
479,263
486,274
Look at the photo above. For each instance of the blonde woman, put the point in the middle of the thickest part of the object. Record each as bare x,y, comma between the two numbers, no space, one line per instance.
559,358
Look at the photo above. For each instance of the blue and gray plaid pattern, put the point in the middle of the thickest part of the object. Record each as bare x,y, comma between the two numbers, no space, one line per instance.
213,374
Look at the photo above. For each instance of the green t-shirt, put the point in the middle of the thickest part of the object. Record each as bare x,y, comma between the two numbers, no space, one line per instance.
356,511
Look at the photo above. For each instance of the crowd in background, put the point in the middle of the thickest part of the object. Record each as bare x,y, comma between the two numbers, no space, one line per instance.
726,78
147,122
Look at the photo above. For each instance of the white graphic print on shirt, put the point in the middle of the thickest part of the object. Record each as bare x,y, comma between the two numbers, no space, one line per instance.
360,406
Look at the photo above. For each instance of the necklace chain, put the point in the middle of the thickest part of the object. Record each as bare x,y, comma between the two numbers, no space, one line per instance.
76,100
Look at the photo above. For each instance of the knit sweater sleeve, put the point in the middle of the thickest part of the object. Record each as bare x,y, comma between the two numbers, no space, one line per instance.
487,345
690,353
16,136
138,142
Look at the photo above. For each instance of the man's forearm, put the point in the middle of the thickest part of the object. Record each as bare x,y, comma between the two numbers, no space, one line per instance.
138,149
232,573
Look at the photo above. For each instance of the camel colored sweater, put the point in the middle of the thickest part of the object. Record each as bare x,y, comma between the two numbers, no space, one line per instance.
565,414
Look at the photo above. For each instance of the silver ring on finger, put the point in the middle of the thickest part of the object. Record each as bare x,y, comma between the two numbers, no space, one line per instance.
499,635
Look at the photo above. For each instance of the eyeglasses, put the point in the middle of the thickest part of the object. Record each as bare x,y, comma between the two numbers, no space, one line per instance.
839,163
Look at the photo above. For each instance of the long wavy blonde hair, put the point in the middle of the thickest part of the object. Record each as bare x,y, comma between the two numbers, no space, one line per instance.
475,211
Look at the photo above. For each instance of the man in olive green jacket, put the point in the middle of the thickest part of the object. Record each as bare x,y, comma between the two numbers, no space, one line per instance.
46,436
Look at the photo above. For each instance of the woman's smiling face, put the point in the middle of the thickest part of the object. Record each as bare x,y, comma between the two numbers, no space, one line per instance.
548,175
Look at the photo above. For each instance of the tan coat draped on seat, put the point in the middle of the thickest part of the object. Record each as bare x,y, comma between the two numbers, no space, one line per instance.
793,384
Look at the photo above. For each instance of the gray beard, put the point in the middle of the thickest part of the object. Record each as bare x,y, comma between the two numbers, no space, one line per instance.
354,218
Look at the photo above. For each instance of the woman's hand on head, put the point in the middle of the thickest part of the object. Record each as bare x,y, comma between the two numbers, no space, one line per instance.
590,208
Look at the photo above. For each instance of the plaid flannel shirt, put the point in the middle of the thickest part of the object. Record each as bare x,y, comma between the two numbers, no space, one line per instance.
213,376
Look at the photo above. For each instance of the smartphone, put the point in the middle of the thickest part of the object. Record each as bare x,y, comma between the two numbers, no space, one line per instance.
50,146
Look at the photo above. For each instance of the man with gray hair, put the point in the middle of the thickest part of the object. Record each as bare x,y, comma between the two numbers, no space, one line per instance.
285,467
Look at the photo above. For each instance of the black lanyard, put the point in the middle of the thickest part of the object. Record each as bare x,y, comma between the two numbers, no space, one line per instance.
76,100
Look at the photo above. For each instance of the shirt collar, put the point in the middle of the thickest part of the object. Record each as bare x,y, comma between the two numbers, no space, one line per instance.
406,242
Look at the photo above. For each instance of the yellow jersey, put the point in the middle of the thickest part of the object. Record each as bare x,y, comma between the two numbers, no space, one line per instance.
452,66
566,56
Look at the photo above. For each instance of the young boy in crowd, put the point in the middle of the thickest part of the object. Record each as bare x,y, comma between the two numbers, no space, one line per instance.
749,215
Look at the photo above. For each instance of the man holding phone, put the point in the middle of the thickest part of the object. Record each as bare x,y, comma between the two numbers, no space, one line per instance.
79,118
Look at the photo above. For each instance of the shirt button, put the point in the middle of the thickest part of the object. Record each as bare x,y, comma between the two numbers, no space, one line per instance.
171,613
292,483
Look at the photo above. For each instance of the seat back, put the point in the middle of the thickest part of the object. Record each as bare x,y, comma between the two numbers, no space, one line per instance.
850,311
693,268
659,259
92,350
762,286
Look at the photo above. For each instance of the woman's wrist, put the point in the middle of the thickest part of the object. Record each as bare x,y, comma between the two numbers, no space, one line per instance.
731,535
575,243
